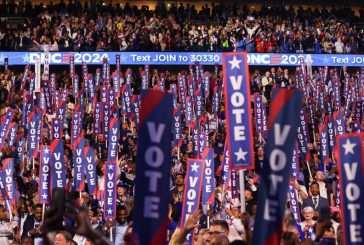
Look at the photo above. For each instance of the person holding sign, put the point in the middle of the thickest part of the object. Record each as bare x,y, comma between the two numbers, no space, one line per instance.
7,227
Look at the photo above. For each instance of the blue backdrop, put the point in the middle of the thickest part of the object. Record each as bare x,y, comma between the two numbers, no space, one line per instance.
181,58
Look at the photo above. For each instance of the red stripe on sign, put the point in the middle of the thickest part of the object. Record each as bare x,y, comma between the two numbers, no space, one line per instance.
82,186
60,104
30,117
149,102
77,107
53,145
279,101
5,163
275,59
112,122
336,114
85,153
274,239
160,235
175,112
77,140
35,154
205,152
275,56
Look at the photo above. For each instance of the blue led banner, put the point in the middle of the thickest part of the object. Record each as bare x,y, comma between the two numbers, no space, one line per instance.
180,58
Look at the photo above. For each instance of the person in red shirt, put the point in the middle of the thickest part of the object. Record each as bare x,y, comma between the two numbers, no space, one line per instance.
260,44
268,46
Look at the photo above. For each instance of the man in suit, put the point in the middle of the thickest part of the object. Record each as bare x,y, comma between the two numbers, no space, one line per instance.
32,224
315,200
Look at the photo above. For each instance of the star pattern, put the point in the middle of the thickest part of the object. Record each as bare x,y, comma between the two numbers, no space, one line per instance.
194,167
235,63
46,150
349,147
26,58
240,155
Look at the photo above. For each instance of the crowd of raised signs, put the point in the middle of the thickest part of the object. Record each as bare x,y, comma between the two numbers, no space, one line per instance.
214,28
93,119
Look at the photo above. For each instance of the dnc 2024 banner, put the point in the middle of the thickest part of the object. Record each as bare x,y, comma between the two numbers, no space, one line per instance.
179,58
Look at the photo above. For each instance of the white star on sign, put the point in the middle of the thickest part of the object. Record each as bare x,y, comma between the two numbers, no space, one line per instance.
111,167
109,211
26,58
349,147
56,122
240,154
201,136
310,230
46,150
194,167
224,178
45,196
235,63
294,174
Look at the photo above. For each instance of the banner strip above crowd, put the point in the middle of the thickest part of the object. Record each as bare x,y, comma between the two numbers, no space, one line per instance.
180,58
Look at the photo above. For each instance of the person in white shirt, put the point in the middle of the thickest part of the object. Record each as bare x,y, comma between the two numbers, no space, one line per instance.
119,226
339,46
236,228
193,32
308,223
324,191
7,227
250,28
300,189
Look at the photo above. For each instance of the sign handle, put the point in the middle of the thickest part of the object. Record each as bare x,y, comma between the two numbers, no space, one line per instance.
242,190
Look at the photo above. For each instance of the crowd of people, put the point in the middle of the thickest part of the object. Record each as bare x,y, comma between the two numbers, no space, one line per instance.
226,224
215,28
